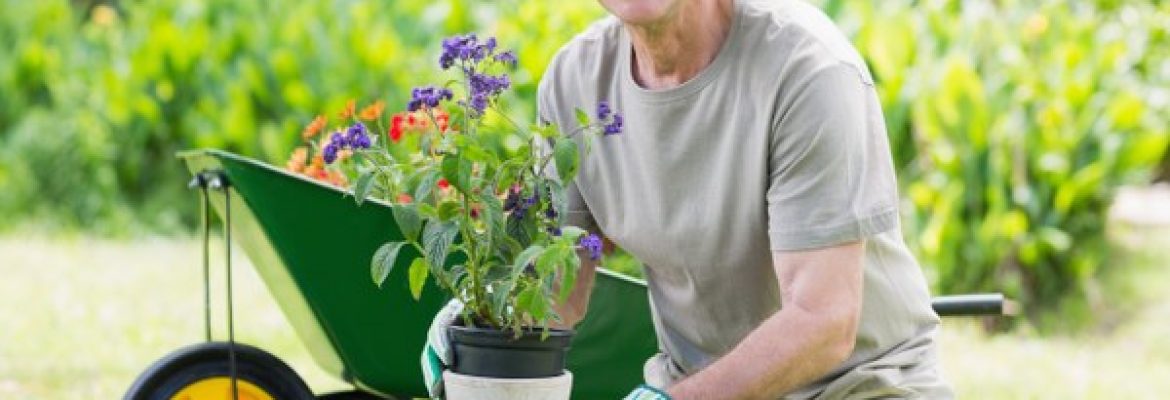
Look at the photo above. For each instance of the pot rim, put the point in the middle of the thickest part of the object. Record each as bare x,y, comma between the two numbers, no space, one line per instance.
530,337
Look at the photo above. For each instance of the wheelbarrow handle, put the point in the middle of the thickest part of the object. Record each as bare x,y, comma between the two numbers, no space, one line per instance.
974,305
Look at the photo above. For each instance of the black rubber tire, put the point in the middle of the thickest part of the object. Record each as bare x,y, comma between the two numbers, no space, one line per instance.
168,375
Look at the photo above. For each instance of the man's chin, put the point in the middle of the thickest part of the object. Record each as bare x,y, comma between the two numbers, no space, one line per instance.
640,12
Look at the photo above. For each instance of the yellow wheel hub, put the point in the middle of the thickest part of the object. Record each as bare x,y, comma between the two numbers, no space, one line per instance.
220,388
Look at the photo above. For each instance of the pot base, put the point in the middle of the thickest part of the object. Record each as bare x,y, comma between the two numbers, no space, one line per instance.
465,387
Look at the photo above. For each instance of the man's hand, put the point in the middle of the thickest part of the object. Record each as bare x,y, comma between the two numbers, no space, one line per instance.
813,332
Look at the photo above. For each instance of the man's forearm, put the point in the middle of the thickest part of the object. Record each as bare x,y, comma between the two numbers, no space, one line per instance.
788,350
573,310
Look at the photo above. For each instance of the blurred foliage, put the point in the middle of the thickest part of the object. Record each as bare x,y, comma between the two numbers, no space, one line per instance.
1011,121
97,100
1012,124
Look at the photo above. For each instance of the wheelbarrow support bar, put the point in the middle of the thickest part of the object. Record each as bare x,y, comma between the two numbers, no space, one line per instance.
985,304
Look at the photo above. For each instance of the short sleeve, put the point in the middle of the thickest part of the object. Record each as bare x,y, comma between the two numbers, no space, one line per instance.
831,179
577,211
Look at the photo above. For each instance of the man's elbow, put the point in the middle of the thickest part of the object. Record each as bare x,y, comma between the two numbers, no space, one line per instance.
838,333
843,337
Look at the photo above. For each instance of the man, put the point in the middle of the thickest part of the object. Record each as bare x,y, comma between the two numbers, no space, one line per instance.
754,180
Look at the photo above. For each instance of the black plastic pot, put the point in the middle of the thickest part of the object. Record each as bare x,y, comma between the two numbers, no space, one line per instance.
494,353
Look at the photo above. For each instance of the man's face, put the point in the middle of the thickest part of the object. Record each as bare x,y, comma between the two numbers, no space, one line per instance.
641,12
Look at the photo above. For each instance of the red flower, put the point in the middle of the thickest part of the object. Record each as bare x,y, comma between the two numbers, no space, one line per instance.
404,198
395,132
443,184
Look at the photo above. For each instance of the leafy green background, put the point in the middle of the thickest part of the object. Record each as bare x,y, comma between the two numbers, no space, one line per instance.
1012,121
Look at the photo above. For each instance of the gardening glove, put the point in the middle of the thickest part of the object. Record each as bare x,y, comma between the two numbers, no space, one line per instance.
647,392
436,354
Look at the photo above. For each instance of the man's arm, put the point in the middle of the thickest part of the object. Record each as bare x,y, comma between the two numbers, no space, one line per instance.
573,310
813,332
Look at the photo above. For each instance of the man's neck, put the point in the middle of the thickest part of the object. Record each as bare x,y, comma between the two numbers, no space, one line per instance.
669,52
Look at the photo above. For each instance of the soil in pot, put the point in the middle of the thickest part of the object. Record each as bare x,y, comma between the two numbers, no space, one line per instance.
494,353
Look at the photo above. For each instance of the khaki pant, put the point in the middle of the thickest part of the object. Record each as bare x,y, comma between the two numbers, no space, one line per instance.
908,374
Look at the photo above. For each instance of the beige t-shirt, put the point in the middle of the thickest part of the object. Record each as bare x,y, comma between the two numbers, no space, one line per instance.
779,144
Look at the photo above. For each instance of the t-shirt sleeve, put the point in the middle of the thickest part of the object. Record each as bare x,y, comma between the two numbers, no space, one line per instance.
831,179
576,210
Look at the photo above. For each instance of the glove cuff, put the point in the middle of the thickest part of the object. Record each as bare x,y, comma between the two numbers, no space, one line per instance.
647,392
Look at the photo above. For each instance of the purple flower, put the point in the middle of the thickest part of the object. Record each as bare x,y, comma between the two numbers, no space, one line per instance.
512,201
507,58
468,53
592,243
479,103
355,137
615,126
603,110
329,153
465,49
428,96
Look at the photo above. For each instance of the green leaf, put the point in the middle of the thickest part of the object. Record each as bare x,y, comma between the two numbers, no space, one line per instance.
582,116
437,239
493,212
571,234
565,154
572,264
426,184
457,170
383,261
418,277
557,198
547,131
426,210
538,307
524,258
362,187
448,210
549,259
409,222
525,299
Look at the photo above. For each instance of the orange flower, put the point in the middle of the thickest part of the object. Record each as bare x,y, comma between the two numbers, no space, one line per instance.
296,162
442,120
313,127
373,111
311,171
347,113
318,162
336,178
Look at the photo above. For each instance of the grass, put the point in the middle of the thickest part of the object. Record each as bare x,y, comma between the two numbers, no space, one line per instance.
82,317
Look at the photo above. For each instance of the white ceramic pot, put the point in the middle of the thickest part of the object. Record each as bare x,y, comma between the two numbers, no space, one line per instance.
466,387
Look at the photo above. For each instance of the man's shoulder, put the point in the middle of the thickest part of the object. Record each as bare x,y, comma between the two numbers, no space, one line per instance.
588,59
593,47
798,35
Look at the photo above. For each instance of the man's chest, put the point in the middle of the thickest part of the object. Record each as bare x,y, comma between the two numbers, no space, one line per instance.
681,189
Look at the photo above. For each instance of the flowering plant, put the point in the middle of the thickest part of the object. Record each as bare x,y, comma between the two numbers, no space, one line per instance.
487,221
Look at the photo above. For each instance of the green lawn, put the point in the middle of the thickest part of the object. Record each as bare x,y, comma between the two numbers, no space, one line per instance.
82,317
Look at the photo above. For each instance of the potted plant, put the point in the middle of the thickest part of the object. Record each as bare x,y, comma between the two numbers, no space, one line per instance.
482,199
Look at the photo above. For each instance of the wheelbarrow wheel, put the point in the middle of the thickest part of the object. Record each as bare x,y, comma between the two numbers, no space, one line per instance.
202,372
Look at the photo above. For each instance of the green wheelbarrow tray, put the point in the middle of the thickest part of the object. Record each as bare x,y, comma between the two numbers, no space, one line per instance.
311,245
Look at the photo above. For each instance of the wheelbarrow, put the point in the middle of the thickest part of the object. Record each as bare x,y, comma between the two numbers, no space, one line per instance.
311,246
